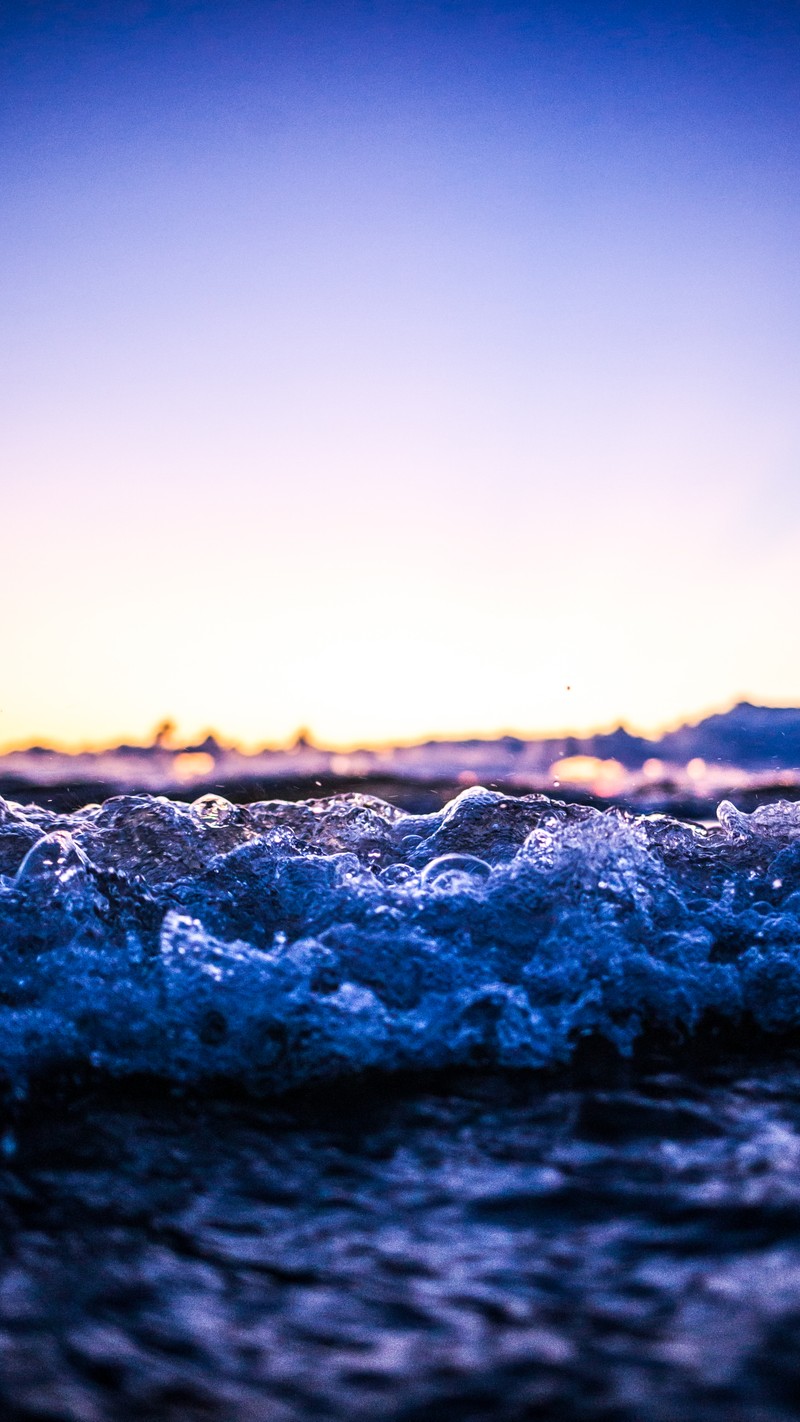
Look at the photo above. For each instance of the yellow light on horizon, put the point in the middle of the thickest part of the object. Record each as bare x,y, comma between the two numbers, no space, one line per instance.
605,777
192,765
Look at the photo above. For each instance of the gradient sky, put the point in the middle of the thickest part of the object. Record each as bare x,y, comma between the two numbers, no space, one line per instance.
396,368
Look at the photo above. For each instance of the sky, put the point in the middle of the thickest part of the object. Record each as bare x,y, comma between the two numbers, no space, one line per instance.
396,369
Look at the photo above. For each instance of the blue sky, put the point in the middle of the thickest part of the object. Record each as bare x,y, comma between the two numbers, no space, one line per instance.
397,369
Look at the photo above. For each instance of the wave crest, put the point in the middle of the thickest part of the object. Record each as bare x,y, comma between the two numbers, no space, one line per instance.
278,943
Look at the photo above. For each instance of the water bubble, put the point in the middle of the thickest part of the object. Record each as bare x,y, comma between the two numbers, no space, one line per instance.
451,872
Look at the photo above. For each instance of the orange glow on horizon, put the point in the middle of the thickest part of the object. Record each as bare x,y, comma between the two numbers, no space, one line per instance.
192,765
605,777
168,736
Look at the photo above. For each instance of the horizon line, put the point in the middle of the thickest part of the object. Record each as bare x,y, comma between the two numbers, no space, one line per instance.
304,736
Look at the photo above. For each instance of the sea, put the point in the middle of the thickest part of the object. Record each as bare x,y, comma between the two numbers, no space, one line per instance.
332,1110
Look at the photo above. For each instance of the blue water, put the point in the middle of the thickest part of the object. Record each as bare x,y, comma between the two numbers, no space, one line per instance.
275,945
543,1161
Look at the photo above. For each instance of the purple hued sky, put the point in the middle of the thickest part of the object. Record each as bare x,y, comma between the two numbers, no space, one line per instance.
396,368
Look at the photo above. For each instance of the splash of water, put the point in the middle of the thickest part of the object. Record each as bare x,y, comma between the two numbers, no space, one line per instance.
275,944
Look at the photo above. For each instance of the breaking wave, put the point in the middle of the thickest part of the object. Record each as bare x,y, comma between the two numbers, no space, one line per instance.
277,944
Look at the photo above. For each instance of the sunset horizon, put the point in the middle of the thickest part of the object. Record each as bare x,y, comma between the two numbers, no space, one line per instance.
168,734
396,368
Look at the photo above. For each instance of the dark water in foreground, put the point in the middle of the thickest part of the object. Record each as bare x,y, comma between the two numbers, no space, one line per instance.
626,1246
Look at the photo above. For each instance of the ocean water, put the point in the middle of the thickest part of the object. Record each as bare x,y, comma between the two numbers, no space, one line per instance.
325,1110
274,945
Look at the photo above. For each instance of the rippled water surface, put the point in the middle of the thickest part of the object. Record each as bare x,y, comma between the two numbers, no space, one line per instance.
486,1248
